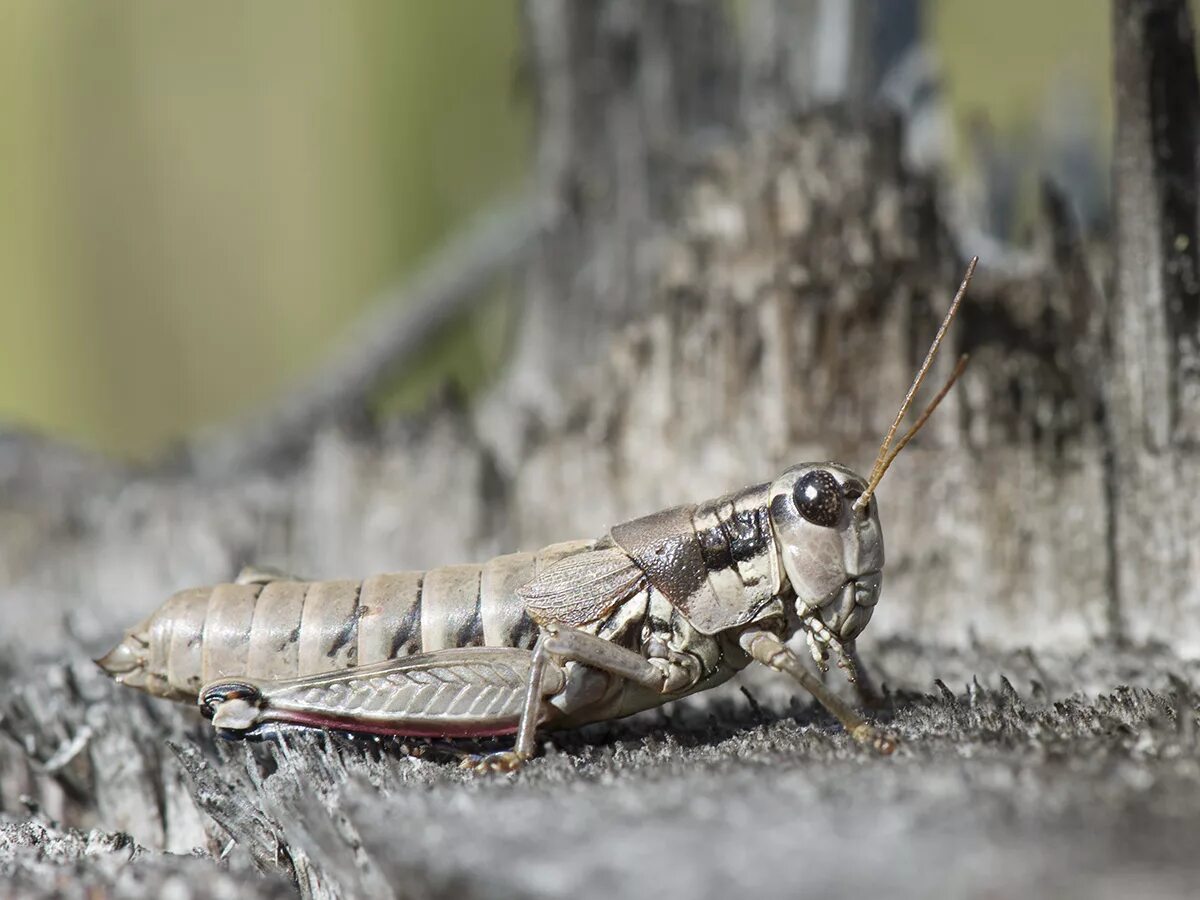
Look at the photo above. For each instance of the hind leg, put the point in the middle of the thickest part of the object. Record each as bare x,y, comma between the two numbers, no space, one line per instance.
462,692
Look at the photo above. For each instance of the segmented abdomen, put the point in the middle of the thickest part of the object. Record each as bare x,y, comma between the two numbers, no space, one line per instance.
285,629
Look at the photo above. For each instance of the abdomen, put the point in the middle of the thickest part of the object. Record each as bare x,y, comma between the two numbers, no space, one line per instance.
285,629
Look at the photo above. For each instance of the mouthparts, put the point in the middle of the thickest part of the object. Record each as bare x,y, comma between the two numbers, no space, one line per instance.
846,611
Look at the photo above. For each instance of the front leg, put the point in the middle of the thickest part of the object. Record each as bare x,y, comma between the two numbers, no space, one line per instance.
773,653
869,694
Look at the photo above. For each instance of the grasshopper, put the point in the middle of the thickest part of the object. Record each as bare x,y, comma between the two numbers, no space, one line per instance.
663,606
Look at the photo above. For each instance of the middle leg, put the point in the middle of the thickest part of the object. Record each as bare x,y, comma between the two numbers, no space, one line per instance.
561,644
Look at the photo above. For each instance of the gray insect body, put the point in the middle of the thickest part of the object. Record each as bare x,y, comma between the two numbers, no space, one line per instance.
452,651
661,607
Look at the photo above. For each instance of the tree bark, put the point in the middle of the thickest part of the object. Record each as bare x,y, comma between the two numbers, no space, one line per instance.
1155,320
725,279
626,94
771,291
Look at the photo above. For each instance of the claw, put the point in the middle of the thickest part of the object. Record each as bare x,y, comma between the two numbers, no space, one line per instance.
881,742
506,761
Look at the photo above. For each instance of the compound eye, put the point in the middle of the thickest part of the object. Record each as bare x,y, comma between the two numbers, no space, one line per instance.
819,498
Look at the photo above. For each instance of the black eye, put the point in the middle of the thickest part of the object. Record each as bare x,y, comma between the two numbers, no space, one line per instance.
819,498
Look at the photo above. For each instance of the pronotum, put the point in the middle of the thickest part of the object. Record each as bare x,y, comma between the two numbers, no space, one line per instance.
663,606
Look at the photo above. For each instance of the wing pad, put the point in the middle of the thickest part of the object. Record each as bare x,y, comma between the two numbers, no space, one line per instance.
582,588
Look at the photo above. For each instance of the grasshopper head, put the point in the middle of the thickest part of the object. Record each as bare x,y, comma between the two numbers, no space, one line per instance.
831,547
826,519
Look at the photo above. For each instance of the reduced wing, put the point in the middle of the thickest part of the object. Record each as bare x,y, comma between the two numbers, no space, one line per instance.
582,588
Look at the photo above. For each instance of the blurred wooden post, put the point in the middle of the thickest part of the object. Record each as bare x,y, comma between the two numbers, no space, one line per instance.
626,92
801,54
1155,318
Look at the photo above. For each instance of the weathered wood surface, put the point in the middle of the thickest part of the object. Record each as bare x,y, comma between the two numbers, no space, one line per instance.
1155,322
726,280
1009,783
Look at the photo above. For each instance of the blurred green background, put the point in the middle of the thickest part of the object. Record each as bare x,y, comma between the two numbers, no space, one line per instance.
196,198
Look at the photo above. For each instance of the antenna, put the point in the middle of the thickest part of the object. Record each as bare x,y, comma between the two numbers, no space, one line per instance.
886,452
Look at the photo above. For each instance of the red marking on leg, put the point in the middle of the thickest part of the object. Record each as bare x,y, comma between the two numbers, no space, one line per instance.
366,726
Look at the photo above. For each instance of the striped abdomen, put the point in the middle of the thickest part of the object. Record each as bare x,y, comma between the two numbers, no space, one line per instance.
284,629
